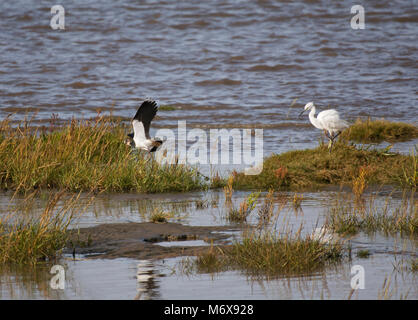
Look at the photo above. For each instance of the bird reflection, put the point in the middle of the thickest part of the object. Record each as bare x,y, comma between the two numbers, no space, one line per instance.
147,286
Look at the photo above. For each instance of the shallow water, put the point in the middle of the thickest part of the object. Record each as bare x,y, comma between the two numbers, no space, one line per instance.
160,279
222,63
118,279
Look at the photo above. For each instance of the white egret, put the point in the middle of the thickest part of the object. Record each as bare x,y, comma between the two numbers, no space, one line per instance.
141,124
327,120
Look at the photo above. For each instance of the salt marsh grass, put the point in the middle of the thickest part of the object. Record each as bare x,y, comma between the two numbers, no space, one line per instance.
25,240
266,251
283,254
297,201
346,216
83,156
157,215
245,208
269,255
315,168
375,131
414,265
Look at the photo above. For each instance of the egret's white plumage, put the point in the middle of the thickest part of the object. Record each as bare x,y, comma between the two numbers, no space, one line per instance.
327,120
141,124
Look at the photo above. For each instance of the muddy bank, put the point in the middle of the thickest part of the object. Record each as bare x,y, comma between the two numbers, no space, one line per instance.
140,240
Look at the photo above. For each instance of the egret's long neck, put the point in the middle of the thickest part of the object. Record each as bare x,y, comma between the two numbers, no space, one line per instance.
314,120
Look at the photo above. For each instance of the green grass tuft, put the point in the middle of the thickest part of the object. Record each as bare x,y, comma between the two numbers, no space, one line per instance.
30,241
159,216
316,168
274,255
84,156
363,254
245,208
347,217
270,255
376,131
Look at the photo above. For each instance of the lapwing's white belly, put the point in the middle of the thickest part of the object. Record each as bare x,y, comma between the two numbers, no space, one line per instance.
144,145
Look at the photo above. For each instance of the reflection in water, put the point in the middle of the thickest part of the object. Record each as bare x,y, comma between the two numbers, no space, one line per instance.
145,279
112,279
147,285
27,282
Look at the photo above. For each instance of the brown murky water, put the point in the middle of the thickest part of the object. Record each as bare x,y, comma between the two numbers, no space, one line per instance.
220,63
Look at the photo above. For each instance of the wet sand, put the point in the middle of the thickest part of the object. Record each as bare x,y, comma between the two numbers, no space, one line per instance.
140,240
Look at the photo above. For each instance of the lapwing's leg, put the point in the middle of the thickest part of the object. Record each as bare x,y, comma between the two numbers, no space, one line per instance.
148,155
152,157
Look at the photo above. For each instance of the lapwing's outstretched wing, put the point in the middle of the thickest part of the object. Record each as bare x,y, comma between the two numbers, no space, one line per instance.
143,117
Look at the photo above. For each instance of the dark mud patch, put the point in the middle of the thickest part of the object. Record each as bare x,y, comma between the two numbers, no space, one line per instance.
140,240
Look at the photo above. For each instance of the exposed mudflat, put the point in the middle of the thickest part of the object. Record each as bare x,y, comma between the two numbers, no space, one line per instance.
140,240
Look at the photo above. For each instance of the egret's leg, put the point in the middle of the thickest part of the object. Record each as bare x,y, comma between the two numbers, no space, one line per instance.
334,136
331,143
331,139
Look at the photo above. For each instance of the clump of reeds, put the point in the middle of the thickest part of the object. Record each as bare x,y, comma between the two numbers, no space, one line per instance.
414,264
245,208
31,240
84,156
346,217
159,216
266,211
271,255
297,201
209,262
228,190
375,131
360,182
363,254
216,181
410,172
202,204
